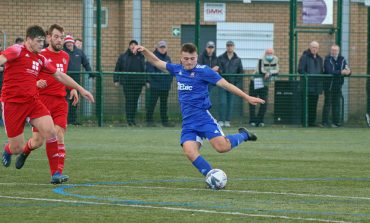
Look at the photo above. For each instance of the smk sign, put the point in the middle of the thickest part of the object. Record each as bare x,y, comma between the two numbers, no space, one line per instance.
214,12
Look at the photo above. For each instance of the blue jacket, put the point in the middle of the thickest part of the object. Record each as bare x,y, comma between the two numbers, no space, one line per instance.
334,67
77,58
159,82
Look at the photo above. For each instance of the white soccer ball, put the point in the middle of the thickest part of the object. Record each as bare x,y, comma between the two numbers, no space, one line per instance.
216,179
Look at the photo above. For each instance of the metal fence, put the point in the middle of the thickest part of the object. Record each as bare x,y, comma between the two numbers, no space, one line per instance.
107,27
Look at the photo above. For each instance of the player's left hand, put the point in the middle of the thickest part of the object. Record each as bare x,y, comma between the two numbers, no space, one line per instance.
74,95
138,48
87,95
255,101
41,83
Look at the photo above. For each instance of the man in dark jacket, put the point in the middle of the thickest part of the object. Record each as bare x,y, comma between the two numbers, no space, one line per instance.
159,86
337,66
132,83
208,57
230,63
311,64
76,58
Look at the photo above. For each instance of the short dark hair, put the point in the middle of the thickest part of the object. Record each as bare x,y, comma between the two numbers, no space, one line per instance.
55,26
188,48
78,39
35,31
19,40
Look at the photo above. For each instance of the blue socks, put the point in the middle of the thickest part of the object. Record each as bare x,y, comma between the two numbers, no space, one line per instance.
236,139
202,165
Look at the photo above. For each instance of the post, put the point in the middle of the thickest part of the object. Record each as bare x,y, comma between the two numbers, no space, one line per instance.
292,26
338,37
197,23
99,76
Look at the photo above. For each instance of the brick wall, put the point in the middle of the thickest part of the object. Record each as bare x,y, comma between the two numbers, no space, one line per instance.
160,16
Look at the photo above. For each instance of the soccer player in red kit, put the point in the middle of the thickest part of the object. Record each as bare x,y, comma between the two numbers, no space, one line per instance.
52,95
20,96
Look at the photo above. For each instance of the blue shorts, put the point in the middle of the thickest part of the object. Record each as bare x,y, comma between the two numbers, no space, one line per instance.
208,129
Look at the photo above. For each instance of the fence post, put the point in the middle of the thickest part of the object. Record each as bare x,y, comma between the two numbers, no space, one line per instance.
305,110
99,81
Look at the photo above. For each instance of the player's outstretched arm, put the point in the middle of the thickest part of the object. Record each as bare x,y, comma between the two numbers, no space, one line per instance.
151,57
233,89
69,82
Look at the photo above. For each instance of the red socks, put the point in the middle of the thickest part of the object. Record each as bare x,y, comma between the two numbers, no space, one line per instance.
27,148
52,153
7,149
62,154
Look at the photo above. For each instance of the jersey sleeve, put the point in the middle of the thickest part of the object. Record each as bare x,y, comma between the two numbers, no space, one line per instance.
171,68
210,76
48,67
12,52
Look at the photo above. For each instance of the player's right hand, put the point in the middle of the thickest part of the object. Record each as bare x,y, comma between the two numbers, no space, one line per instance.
73,95
41,83
255,101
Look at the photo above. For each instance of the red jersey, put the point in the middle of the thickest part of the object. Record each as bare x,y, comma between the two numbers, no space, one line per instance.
20,74
60,60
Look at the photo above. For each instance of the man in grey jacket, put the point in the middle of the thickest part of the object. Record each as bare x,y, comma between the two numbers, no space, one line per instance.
311,64
229,63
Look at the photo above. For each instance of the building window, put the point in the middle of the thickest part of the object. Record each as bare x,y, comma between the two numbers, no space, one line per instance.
104,17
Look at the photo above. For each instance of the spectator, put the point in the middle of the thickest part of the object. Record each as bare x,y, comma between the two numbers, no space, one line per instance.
311,64
337,66
132,83
19,40
78,43
230,63
208,57
76,58
267,67
159,86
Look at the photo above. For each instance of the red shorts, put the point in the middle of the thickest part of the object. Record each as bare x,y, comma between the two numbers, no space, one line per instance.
15,115
58,108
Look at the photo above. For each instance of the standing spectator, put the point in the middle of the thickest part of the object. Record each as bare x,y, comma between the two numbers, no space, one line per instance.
337,66
230,63
76,58
159,86
311,64
19,40
267,67
132,83
208,57
79,43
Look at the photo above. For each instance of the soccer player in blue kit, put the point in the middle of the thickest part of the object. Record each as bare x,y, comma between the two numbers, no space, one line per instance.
197,121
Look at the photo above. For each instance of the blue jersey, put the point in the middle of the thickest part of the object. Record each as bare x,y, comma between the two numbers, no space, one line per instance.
192,86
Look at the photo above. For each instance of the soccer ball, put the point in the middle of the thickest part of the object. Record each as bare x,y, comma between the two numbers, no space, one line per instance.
216,179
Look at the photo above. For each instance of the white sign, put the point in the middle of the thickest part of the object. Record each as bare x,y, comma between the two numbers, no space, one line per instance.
214,12
251,40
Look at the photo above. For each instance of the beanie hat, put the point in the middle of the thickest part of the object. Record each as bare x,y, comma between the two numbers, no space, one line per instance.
68,39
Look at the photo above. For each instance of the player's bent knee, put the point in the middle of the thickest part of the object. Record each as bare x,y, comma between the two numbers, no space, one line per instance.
37,142
221,145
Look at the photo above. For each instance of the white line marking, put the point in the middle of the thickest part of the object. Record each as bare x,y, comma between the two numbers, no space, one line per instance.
172,209
197,189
